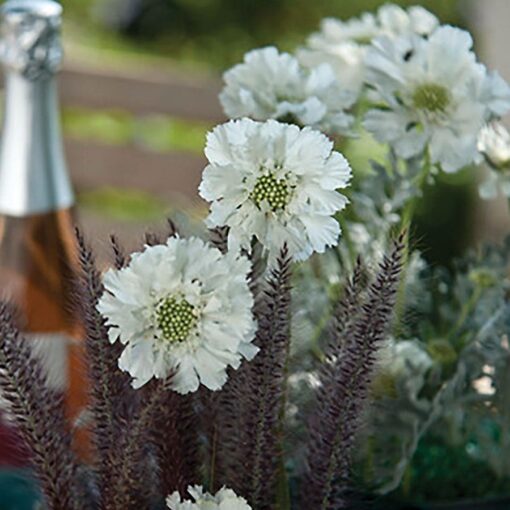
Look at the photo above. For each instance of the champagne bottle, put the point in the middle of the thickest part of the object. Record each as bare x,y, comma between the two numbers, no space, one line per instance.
37,246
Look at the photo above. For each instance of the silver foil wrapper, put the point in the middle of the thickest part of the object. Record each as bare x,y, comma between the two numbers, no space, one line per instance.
30,35
33,172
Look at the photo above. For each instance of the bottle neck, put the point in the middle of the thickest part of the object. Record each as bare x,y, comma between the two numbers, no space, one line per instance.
33,173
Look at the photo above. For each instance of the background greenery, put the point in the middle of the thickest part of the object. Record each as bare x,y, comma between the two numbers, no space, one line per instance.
216,33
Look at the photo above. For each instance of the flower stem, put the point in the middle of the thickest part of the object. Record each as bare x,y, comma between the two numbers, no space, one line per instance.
405,226
466,310
346,237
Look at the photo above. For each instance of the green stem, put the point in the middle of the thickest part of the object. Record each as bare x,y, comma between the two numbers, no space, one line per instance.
405,226
467,308
347,239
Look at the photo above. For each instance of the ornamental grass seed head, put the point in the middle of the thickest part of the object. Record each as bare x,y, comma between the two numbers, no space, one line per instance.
181,308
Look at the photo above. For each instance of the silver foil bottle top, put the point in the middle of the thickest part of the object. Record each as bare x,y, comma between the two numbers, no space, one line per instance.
33,172
30,34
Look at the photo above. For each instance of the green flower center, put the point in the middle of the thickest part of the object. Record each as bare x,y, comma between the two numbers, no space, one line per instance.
431,97
175,318
363,39
275,191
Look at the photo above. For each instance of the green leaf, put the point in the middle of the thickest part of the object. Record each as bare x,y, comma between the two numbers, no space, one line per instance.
124,204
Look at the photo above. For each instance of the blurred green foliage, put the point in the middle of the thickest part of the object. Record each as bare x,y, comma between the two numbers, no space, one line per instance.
123,204
159,133
442,472
110,127
216,33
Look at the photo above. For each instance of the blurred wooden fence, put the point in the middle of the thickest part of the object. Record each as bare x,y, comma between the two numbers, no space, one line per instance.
172,176
95,164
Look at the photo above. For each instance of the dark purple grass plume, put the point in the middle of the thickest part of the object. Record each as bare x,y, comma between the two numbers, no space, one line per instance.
249,422
359,328
113,402
39,414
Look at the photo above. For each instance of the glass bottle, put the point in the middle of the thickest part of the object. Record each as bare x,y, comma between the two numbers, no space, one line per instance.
37,246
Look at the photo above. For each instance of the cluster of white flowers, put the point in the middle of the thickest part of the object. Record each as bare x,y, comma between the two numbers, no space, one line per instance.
435,96
343,44
184,309
224,499
277,183
273,85
494,144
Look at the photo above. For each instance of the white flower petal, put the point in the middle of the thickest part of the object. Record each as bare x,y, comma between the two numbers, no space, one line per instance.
224,499
302,159
273,85
211,286
432,93
322,231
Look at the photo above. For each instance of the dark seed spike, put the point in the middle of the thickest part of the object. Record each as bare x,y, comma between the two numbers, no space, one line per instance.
111,398
39,414
176,440
153,239
219,238
345,382
172,228
250,410
119,254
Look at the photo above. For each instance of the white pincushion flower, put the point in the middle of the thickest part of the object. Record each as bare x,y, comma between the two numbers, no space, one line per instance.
224,499
343,44
434,96
182,307
494,144
275,182
273,85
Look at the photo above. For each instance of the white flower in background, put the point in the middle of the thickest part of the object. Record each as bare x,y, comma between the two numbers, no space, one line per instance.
343,44
407,363
434,96
494,144
275,182
225,499
182,307
395,21
273,85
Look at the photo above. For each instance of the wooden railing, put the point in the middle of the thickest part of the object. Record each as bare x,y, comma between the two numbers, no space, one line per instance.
166,174
172,176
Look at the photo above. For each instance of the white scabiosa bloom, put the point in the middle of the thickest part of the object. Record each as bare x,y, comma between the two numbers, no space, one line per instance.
494,144
433,95
343,44
273,85
224,499
182,308
275,182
